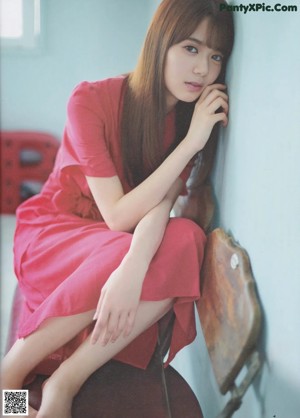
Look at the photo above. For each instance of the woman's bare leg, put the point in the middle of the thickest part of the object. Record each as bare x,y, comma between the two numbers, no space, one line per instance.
28,352
62,386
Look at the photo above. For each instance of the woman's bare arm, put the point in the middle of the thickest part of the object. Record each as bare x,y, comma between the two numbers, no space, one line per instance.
124,211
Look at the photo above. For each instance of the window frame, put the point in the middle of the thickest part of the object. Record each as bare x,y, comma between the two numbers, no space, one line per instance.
30,39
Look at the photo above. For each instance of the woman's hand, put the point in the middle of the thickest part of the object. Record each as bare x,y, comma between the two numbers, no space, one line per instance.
118,303
205,117
120,296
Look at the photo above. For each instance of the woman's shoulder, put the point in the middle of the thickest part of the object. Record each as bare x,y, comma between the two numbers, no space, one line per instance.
106,89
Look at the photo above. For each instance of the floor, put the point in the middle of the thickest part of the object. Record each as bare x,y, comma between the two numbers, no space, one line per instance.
8,279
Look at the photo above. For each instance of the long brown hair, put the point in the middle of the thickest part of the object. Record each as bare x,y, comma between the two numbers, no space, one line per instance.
144,103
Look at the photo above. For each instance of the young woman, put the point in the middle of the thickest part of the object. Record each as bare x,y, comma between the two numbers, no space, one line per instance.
97,245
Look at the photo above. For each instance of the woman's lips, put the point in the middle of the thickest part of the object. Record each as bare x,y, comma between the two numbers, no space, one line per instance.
193,86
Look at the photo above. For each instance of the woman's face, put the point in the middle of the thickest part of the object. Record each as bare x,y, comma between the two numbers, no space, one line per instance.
191,66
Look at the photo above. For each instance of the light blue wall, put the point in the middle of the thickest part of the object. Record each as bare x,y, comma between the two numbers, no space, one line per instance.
257,183
258,188
82,40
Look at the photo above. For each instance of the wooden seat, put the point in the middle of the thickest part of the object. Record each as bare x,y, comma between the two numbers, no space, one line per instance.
121,391
230,316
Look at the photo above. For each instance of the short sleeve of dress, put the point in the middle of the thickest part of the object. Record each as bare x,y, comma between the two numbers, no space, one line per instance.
85,135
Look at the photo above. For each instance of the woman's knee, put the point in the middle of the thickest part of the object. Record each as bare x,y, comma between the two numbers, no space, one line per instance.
183,228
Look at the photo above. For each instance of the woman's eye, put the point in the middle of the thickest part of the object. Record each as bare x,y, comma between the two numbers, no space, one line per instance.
217,57
191,49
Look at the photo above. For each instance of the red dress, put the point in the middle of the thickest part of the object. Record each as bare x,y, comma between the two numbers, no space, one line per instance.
64,251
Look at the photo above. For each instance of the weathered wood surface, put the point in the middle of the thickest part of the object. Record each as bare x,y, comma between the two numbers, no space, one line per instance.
229,310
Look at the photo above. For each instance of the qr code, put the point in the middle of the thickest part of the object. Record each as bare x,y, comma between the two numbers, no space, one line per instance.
15,402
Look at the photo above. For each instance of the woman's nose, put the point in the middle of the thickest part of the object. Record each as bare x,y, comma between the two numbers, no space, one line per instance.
201,66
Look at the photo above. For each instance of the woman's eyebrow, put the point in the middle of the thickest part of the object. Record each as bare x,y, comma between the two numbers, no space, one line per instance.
191,38
199,42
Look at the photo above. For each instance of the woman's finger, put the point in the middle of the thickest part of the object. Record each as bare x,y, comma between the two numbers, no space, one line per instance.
120,327
111,327
221,117
98,309
214,94
100,325
129,323
209,89
217,104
